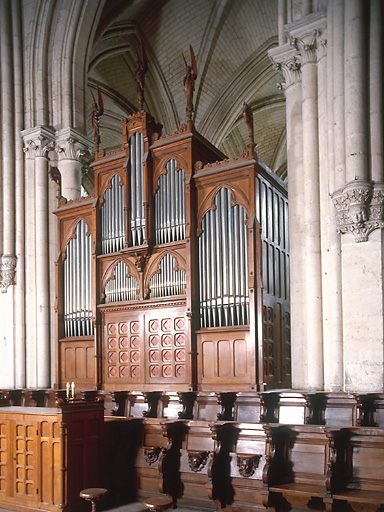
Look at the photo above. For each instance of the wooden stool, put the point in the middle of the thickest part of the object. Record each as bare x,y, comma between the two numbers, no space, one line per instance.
158,503
94,494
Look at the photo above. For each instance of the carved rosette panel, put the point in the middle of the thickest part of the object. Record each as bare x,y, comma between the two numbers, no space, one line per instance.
167,353
123,349
360,208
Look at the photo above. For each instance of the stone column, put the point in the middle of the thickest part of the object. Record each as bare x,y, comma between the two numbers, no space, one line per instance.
355,91
7,258
334,173
287,63
73,150
307,45
376,90
40,141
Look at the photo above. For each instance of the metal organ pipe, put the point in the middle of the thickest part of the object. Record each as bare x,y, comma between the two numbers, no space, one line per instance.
170,205
112,218
223,262
137,188
122,286
167,281
77,284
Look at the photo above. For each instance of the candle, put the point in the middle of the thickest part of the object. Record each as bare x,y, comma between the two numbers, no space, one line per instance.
73,390
67,390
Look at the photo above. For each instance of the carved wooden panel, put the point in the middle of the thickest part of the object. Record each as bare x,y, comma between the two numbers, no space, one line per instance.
4,447
124,349
166,352
78,361
268,341
146,348
225,359
25,468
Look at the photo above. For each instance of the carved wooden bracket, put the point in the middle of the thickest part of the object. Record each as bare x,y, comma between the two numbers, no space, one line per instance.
247,464
151,454
197,460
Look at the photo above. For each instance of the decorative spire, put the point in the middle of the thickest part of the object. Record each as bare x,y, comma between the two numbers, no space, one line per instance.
141,69
248,118
97,112
189,82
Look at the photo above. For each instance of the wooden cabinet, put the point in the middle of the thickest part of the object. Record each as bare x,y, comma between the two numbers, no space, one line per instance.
48,455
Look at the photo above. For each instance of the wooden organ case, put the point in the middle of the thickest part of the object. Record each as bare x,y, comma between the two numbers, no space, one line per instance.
174,274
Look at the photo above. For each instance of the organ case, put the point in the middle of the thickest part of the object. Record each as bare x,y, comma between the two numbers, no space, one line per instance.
174,275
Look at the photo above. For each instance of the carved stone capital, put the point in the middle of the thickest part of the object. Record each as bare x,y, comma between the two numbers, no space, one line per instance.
307,36
286,61
360,208
7,271
38,142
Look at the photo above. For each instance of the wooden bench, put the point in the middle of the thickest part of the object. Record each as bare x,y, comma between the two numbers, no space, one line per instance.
363,461
296,469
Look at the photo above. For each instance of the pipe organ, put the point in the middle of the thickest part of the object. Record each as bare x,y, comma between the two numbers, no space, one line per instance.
174,273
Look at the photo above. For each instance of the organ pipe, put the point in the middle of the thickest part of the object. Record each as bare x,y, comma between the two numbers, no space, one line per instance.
223,264
77,284
169,280
122,286
137,189
170,205
113,218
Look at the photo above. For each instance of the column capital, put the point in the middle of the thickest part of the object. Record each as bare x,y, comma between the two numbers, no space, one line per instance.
7,271
307,36
286,61
38,141
360,208
72,145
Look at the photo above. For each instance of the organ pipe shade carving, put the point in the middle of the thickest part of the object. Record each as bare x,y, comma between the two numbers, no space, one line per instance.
170,205
112,217
169,280
137,188
122,286
223,264
78,284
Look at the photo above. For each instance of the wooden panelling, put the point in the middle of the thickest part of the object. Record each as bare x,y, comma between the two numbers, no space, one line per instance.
225,359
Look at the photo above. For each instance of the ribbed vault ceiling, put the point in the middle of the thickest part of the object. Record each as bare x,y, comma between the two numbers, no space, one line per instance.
230,39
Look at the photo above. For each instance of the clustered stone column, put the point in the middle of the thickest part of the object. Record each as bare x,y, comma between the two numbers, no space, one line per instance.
38,143
297,61
41,146
336,191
